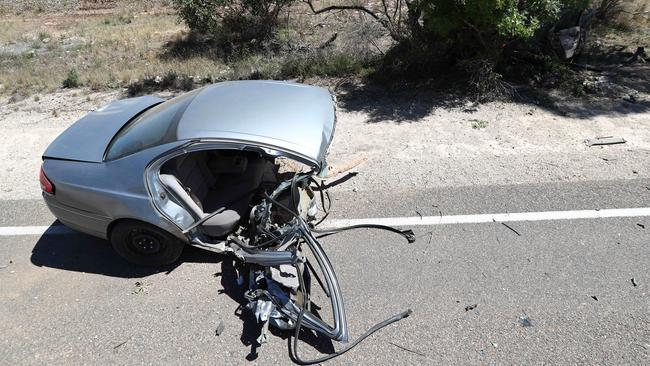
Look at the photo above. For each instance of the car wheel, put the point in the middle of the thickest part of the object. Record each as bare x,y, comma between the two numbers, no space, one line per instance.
145,244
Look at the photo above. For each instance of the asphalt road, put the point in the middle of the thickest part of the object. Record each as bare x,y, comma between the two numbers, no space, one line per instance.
555,292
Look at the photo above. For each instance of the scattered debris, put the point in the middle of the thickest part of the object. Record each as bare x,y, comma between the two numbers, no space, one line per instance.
478,124
407,349
470,307
641,226
633,282
430,234
525,321
120,345
605,140
6,265
139,288
419,214
344,167
594,297
509,227
220,328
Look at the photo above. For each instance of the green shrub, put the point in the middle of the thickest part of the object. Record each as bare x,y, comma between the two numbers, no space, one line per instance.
324,63
71,80
231,21
484,26
168,81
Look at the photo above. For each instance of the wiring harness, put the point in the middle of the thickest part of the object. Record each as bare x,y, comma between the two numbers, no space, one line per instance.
279,295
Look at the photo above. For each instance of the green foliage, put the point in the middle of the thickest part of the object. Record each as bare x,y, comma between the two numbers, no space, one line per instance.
491,21
231,21
71,80
478,124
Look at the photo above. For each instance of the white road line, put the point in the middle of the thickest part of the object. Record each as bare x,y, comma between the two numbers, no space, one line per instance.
405,221
499,217
34,230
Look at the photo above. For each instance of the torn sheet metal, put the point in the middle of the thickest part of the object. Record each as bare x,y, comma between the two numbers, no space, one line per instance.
272,248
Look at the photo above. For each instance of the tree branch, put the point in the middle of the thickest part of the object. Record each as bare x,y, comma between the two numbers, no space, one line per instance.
341,7
478,34
383,3
386,23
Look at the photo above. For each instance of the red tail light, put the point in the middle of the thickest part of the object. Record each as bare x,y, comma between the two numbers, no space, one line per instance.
46,185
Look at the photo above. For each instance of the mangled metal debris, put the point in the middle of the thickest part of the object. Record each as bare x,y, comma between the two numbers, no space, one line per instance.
276,272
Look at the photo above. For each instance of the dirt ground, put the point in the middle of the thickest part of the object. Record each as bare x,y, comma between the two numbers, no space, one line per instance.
411,141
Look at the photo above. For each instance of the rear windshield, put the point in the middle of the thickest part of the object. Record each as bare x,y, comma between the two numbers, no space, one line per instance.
154,127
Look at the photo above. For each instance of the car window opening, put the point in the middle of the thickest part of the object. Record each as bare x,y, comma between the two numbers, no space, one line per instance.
156,126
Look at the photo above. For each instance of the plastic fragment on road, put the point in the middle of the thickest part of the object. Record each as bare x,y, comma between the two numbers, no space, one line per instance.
220,328
525,321
606,140
470,307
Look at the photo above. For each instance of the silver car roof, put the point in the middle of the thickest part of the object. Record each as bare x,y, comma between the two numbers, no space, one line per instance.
288,116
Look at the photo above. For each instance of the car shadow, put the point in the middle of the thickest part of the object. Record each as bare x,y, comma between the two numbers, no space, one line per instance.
73,251
78,252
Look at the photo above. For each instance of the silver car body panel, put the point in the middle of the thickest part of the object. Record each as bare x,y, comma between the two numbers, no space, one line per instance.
280,118
90,196
288,116
86,139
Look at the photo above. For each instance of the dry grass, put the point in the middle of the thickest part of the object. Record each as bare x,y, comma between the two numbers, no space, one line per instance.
106,50
136,46
122,46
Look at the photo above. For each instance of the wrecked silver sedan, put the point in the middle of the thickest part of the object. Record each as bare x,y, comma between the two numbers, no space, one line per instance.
231,168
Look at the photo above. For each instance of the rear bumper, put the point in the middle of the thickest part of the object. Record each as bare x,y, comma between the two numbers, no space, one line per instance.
83,221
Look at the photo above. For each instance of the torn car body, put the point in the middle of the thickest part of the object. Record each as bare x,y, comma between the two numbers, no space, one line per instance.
228,168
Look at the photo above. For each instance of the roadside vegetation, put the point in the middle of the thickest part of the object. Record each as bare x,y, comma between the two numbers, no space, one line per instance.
484,49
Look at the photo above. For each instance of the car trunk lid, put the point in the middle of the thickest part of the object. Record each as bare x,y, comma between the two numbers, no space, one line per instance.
86,139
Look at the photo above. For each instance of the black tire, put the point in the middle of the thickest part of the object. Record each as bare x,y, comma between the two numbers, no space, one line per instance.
144,244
